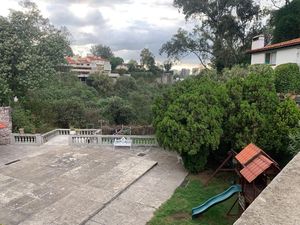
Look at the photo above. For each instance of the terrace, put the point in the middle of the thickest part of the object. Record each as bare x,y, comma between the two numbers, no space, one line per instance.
57,178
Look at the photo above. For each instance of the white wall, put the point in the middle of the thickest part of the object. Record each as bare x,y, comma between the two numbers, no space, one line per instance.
284,55
258,58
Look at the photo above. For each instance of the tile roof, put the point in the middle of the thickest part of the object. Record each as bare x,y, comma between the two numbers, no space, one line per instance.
254,161
256,167
2,125
289,43
249,152
83,60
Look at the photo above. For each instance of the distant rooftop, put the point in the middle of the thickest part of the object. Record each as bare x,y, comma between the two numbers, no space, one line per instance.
83,60
278,204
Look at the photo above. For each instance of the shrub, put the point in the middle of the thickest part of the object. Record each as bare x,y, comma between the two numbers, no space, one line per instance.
22,118
188,119
287,78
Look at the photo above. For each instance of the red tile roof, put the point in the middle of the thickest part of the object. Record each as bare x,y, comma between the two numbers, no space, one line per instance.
256,167
83,60
249,152
254,161
284,44
2,125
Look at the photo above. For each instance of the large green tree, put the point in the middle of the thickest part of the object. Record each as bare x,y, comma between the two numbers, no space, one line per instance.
188,119
225,31
30,48
115,61
286,22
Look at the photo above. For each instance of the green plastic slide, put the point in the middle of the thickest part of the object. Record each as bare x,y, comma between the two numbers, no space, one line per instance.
215,200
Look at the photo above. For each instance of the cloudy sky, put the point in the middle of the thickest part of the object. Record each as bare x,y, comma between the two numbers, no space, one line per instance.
127,26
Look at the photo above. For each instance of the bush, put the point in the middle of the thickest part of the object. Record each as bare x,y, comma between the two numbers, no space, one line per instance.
195,163
22,118
117,111
287,78
188,119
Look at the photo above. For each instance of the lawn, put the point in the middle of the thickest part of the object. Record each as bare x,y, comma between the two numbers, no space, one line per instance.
177,210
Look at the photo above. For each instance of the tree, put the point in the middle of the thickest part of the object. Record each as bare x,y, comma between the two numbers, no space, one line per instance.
132,65
102,50
286,22
124,85
115,61
188,119
5,93
168,66
225,32
184,43
102,83
117,111
31,49
147,59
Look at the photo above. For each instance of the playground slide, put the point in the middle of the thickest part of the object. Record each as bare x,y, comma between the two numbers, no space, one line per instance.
215,200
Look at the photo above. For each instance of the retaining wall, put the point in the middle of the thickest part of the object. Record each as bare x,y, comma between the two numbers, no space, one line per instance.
5,118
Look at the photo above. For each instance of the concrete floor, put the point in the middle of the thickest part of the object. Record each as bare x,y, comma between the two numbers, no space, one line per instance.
56,184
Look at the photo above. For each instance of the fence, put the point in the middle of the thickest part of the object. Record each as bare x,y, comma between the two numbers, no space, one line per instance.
26,139
137,140
82,137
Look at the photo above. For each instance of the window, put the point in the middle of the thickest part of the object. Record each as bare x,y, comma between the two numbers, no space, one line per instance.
270,58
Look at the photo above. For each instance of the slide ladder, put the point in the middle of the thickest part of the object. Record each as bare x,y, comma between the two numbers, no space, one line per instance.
215,200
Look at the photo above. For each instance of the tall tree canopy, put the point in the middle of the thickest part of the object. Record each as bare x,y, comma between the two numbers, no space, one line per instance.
102,51
147,58
224,33
30,48
286,22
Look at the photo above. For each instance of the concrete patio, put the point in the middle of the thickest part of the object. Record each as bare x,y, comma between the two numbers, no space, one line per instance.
59,184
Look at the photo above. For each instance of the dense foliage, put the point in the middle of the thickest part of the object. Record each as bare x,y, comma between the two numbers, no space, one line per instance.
30,48
286,22
287,78
215,113
32,53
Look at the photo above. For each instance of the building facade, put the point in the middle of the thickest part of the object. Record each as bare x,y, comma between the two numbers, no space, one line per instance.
85,66
275,54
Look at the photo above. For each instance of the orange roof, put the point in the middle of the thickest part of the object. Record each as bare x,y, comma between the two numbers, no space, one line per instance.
254,161
2,126
256,167
248,153
83,60
289,43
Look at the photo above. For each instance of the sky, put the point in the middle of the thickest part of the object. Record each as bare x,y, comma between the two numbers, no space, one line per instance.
127,26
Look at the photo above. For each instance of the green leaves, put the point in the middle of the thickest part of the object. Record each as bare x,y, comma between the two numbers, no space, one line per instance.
30,48
287,78
188,118
286,21
195,116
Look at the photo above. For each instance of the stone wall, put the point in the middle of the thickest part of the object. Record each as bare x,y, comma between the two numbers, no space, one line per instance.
5,118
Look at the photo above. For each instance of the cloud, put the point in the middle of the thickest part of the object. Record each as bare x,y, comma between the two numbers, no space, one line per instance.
127,26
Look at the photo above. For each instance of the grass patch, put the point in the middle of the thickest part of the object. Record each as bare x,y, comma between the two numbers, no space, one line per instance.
177,210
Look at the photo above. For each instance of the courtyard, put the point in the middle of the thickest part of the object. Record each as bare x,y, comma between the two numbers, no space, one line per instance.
60,184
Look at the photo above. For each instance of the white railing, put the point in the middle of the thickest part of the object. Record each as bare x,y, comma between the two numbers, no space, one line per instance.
137,140
26,139
63,131
47,136
82,137
88,131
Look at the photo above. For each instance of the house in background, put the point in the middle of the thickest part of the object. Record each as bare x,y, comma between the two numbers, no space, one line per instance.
275,54
84,66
